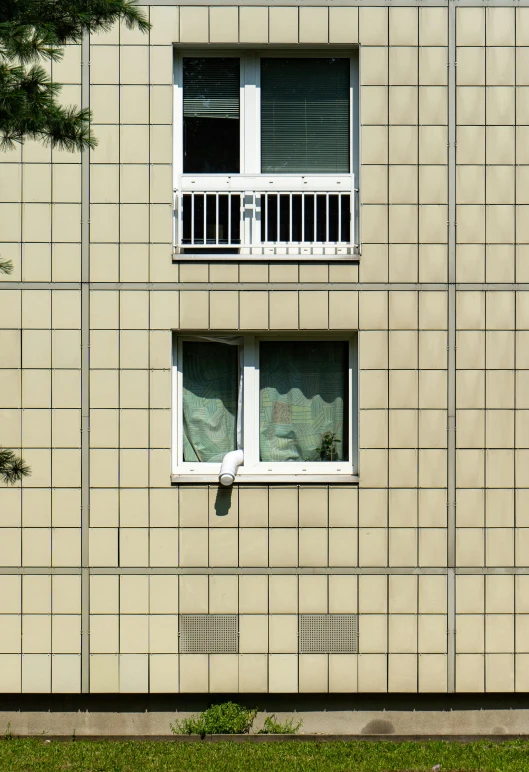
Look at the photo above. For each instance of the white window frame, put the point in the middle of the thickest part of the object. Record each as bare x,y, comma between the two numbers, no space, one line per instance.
252,469
250,103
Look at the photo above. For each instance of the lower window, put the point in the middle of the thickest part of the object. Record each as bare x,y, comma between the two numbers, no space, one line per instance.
288,403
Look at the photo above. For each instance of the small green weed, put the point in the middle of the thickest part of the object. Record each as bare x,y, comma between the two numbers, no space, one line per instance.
271,726
226,718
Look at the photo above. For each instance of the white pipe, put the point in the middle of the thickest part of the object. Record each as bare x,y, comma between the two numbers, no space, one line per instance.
230,464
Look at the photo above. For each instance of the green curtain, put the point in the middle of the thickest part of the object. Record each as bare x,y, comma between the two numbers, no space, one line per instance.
303,400
305,115
210,389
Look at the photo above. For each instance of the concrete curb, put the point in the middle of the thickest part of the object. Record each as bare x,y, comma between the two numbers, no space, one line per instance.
271,738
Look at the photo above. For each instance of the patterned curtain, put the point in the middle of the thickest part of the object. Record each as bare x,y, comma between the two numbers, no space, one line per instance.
303,400
210,389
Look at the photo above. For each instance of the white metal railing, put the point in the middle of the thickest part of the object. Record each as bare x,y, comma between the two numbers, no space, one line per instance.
265,214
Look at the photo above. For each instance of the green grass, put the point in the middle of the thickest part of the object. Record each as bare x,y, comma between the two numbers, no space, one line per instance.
39,756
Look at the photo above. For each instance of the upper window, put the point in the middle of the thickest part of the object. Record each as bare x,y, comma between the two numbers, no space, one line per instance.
266,114
287,404
265,152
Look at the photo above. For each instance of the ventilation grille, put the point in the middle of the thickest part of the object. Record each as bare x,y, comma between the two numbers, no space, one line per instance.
209,634
328,633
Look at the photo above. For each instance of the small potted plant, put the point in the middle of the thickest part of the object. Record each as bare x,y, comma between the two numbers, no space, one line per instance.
328,450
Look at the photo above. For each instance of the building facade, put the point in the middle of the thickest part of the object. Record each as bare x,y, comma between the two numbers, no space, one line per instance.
174,284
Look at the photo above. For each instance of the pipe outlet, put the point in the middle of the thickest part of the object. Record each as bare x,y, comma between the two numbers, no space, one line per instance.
230,464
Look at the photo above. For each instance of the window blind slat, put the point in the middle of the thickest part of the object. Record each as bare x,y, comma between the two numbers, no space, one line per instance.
305,115
211,88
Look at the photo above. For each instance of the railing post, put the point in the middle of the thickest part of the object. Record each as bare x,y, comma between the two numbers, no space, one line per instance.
248,230
177,231
256,218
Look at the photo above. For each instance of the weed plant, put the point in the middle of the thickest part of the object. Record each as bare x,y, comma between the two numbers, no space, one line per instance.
226,718
271,726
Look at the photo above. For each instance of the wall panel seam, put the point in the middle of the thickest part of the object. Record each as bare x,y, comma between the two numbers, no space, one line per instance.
268,287
267,571
346,3
85,375
451,375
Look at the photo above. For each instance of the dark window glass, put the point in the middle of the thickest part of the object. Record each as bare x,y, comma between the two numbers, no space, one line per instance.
211,115
305,115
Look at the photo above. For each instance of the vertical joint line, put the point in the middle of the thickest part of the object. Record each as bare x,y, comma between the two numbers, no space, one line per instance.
451,364
85,375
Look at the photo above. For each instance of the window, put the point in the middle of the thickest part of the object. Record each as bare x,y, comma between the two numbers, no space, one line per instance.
289,404
265,152
211,93
305,115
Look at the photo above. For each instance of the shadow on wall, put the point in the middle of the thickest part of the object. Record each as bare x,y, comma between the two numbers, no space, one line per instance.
223,501
272,703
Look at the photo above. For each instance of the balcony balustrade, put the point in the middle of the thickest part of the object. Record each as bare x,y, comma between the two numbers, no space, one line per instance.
265,215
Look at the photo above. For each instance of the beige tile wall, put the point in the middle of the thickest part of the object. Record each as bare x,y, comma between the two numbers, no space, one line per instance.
40,633
395,521
491,366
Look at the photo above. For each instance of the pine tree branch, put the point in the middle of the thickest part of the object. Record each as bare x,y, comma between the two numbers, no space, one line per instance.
29,109
70,18
6,266
12,467
28,44
33,30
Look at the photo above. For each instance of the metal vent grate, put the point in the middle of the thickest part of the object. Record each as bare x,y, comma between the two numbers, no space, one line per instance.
328,633
209,634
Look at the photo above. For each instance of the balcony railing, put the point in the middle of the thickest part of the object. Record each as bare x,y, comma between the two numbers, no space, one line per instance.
268,215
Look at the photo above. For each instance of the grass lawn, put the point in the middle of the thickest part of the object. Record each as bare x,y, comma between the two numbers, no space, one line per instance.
40,756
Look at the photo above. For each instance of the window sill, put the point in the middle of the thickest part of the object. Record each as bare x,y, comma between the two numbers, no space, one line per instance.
268,479
299,257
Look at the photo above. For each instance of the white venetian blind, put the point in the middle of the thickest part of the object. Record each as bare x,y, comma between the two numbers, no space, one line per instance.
211,87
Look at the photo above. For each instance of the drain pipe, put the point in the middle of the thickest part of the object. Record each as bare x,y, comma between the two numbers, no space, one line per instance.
230,464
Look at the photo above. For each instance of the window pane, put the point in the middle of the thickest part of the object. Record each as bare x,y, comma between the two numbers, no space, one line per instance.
210,387
211,115
305,115
303,401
